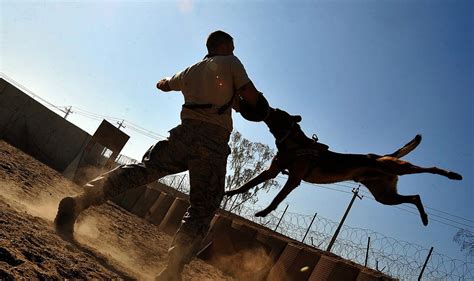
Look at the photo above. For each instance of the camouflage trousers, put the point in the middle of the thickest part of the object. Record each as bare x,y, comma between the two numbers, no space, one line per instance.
200,147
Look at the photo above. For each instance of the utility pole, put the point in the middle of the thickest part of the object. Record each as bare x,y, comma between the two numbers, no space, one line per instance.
356,194
68,111
120,124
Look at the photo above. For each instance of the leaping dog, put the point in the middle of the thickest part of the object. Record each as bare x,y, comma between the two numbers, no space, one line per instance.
305,159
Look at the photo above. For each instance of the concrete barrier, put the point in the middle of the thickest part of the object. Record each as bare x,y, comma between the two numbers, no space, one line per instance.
304,264
158,210
244,228
366,275
173,217
323,269
344,271
281,270
275,244
145,201
232,247
219,223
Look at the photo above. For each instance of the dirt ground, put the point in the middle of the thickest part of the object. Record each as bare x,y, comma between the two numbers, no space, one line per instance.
113,244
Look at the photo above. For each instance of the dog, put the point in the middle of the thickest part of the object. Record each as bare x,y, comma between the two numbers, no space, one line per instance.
304,158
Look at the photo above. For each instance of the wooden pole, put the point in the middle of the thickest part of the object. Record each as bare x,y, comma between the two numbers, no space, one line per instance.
68,112
120,124
356,194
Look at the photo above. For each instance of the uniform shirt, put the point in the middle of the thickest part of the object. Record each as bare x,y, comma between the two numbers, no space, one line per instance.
210,81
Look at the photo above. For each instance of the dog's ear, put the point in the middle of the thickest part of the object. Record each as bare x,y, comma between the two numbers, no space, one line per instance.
297,118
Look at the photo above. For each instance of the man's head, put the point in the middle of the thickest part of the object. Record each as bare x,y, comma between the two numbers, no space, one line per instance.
220,43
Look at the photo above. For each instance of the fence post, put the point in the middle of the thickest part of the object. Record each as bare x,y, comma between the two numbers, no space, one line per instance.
302,241
278,224
171,184
356,194
424,265
367,253
179,185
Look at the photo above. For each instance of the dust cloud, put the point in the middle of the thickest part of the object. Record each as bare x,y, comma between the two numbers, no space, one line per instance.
44,204
246,264
111,243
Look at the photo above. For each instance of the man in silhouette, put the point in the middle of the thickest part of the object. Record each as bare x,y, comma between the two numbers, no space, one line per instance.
199,144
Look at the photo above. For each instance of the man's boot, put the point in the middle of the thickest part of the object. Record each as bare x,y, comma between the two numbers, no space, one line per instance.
181,252
70,208
174,268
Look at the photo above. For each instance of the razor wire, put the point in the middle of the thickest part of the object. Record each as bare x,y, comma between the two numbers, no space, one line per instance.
399,259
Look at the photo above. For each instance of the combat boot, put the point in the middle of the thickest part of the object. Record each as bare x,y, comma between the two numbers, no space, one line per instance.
70,208
182,250
65,218
177,258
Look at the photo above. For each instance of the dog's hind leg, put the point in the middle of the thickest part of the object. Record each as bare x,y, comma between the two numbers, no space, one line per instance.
396,199
384,191
269,173
399,167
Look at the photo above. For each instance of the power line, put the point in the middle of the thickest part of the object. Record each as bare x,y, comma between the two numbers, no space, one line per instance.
409,211
449,214
97,115
412,207
369,195
130,125
28,91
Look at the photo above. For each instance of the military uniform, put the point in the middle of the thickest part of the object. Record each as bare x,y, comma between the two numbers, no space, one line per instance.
199,144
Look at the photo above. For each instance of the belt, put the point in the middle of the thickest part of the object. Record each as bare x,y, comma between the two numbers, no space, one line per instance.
219,109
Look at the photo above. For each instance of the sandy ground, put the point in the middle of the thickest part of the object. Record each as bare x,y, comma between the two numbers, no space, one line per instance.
113,244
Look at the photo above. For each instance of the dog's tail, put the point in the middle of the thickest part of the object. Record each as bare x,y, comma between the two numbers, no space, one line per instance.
407,148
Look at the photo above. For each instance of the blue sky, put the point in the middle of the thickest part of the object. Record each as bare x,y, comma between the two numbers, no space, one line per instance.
366,76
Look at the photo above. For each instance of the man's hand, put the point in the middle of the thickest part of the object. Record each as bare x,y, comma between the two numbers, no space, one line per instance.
163,85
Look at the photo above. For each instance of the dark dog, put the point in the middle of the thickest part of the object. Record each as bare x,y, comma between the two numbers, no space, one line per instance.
305,159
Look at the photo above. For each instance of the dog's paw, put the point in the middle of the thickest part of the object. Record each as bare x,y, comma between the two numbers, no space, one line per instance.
262,213
454,176
424,219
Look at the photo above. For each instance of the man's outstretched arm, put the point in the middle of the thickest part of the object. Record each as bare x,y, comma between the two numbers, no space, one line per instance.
163,85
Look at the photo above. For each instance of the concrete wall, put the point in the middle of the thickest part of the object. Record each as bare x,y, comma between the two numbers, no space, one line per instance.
33,128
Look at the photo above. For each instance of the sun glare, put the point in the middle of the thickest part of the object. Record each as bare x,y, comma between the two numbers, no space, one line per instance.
186,6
